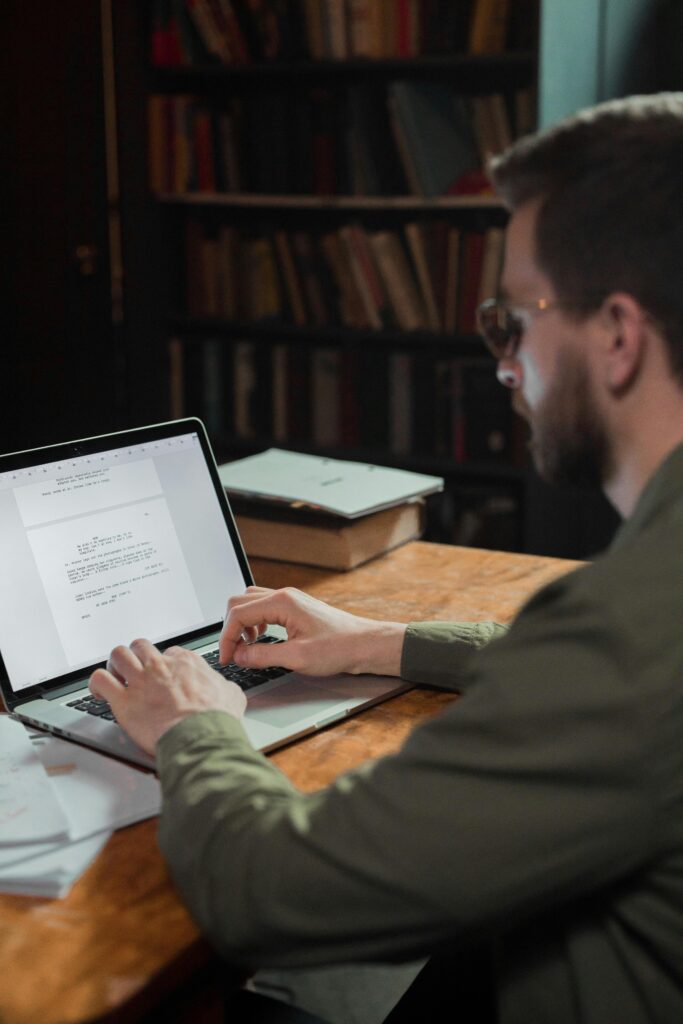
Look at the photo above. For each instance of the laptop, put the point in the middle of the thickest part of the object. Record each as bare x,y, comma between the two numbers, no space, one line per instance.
126,535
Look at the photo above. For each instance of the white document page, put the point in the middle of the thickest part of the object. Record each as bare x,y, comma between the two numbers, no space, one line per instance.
115,575
52,874
97,793
29,810
343,488
82,490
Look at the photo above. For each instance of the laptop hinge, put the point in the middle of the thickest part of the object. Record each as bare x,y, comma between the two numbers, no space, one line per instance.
62,691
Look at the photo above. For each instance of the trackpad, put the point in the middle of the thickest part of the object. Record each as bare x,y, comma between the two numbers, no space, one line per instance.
292,702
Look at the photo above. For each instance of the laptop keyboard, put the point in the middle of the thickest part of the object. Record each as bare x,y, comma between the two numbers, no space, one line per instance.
244,677
93,706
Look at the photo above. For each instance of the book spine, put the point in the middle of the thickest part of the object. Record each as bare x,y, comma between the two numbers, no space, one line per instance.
201,13
492,262
244,386
335,14
416,247
212,390
400,403
299,394
351,307
227,274
280,358
325,396
361,271
157,115
488,31
304,255
398,281
290,278
315,33
473,256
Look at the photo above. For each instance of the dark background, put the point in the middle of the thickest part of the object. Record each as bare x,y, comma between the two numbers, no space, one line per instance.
74,363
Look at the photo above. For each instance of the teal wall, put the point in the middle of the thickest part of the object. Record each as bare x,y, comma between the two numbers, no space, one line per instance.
593,50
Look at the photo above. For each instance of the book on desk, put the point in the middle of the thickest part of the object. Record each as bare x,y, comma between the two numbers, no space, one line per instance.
325,512
329,541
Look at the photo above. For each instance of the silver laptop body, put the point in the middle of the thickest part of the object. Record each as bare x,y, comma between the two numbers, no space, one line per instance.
125,535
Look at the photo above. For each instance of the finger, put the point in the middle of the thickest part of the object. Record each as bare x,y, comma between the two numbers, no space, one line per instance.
104,684
242,616
175,651
123,662
284,655
144,650
250,633
112,670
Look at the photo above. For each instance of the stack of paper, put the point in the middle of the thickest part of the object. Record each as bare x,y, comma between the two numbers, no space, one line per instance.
326,512
336,486
58,806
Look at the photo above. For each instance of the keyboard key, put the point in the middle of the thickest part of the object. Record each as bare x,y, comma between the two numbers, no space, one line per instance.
246,677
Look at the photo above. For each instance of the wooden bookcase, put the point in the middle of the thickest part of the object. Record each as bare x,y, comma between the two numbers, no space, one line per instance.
273,380
98,333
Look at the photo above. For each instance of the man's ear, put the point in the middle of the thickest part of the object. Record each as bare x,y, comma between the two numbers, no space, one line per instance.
623,324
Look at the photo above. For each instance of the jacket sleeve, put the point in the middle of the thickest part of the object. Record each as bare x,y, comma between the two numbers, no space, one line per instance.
533,789
437,653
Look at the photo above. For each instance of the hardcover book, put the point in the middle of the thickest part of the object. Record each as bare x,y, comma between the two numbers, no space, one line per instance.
331,542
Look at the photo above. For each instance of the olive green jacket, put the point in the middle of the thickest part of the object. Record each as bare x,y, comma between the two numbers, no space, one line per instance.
543,811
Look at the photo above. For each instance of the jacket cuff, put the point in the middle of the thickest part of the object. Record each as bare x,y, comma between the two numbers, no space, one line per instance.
438,653
203,725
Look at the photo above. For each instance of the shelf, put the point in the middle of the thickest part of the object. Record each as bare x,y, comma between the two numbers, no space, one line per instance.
257,201
199,365
433,464
468,72
198,329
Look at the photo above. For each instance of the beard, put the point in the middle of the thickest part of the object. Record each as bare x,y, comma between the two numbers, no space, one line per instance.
569,443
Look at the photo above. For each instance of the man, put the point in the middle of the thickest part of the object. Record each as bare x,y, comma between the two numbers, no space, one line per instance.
540,816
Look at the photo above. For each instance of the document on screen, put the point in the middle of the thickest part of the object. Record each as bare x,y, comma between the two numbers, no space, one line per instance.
113,575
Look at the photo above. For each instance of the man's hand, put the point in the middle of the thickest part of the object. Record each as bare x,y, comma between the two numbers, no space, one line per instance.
321,640
149,691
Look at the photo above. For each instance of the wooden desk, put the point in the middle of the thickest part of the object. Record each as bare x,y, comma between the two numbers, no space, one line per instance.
122,941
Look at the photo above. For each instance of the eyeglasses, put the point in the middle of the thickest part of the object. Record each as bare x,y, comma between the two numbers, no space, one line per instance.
502,324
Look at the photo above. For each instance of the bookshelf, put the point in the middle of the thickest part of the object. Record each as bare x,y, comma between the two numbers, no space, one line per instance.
375,369
98,336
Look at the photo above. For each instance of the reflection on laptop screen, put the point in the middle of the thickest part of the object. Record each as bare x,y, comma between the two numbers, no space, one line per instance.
99,549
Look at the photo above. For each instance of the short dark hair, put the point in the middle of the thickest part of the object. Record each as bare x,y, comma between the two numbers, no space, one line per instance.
610,184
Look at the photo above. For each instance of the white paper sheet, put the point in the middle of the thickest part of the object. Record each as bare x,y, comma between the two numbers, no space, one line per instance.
114,575
349,489
52,873
29,810
97,794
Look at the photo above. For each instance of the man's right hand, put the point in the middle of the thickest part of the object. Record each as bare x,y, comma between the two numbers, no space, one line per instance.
321,640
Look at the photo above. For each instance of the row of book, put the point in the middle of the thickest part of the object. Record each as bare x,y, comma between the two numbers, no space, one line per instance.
405,138
425,276
239,32
350,399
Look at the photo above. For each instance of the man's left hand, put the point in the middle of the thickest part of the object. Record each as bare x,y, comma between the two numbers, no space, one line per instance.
149,691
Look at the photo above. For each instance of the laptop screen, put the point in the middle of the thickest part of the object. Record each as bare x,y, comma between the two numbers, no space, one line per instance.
102,547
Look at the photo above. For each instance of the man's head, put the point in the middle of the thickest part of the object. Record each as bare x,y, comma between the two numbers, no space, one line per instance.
594,255
610,215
